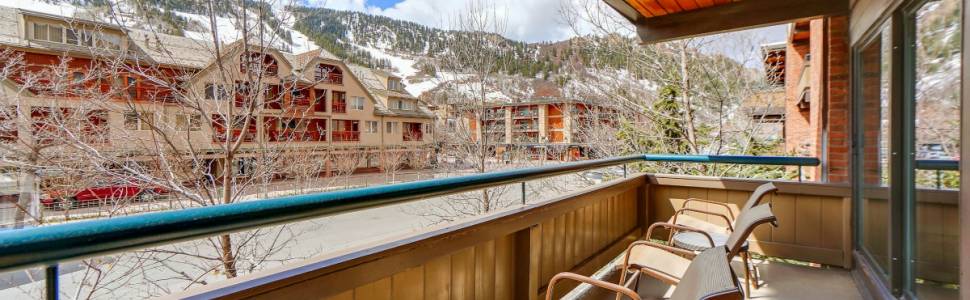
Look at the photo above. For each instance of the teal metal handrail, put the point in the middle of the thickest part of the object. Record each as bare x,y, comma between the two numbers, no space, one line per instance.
938,165
49,245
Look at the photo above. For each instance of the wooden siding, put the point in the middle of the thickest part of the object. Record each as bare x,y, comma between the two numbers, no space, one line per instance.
814,218
509,255
512,254
811,227
938,241
486,270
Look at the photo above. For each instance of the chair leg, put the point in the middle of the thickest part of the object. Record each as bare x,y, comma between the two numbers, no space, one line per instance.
622,280
747,274
755,274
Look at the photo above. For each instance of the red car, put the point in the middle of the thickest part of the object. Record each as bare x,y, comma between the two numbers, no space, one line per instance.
121,190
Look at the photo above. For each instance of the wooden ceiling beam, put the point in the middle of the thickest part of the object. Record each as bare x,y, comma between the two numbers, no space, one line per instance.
733,16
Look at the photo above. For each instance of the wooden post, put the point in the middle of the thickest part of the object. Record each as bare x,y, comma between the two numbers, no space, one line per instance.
527,247
643,205
847,230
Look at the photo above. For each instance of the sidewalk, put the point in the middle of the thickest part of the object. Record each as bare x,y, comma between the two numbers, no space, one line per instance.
276,189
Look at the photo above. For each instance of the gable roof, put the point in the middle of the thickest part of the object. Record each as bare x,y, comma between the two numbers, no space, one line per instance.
374,81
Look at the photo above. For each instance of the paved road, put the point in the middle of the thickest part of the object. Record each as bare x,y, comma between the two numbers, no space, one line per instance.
140,275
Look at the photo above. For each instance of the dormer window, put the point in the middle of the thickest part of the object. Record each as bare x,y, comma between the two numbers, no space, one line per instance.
394,84
258,63
328,74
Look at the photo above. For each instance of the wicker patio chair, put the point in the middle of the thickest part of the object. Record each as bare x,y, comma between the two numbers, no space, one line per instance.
709,277
692,240
669,264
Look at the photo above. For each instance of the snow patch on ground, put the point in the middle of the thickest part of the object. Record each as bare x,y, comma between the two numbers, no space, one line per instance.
403,67
61,9
301,43
420,85
225,27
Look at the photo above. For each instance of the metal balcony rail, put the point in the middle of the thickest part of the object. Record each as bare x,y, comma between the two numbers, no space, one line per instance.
526,113
50,245
938,166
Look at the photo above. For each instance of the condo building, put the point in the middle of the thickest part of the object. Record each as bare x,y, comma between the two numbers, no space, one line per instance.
133,87
555,127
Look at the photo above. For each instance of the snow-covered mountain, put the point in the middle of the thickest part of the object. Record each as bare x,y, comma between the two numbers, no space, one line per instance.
406,49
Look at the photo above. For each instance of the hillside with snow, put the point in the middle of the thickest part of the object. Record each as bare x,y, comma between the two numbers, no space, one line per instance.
407,49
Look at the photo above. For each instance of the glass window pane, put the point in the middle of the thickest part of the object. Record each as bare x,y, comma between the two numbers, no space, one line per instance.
71,36
57,33
875,60
937,131
40,31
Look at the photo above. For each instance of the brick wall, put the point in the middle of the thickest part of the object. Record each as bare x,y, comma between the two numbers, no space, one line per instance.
828,110
838,119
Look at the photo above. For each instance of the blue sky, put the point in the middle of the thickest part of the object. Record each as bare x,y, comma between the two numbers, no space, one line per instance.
383,3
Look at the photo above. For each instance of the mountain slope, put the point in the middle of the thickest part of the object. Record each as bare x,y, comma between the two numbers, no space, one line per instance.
349,34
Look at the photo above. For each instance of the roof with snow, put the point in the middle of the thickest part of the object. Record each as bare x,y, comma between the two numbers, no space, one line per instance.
151,45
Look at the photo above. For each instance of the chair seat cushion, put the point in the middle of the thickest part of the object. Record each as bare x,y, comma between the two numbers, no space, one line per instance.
659,260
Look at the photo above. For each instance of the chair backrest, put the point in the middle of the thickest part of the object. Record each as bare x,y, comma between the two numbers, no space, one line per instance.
758,195
709,276
746,222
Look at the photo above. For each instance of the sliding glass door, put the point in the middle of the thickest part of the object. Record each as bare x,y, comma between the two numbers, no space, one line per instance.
907,139
933,106
873,157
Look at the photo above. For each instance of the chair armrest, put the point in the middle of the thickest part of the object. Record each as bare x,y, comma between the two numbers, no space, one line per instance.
726,207
594,282
673,226
646,268
682,210
682,252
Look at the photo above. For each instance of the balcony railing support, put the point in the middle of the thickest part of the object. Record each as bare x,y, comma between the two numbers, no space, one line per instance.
523,193
50,281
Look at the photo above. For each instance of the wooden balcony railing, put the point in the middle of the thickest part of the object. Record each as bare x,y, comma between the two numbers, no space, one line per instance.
297,136
506,255
513,254
333,78
340,108
221,136
346,136
301,101
410,136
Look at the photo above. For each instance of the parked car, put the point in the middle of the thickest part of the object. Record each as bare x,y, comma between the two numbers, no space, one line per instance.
932,151
112,191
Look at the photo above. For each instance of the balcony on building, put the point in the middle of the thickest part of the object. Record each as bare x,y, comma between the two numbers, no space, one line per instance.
494,114
412,132
525,112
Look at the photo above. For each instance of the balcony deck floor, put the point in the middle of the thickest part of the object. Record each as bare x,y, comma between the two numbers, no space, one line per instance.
779,281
